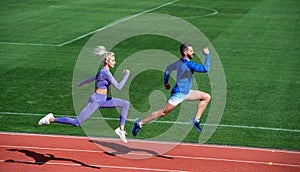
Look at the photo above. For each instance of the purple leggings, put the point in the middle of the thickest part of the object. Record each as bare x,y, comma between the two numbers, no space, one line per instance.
95,102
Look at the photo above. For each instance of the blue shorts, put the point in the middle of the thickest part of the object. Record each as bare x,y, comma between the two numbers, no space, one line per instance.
177,98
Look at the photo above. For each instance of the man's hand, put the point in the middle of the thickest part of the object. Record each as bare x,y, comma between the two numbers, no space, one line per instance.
167,86
205,51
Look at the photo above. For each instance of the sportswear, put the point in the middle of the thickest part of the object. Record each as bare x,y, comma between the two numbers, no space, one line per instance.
185,73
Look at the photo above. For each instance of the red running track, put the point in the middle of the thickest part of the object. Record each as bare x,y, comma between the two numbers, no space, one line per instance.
47,153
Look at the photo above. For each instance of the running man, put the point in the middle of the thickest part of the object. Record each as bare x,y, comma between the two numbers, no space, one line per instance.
182,90
99,98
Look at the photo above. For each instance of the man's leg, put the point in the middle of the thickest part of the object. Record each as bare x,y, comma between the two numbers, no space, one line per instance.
157,114
154,115
204,99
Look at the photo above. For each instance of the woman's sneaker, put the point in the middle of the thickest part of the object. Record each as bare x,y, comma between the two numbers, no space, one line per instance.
121,134
46,119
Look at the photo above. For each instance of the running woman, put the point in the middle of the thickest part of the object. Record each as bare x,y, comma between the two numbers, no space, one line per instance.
182,90
99,98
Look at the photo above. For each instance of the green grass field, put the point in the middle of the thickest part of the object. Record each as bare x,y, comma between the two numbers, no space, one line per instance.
256,40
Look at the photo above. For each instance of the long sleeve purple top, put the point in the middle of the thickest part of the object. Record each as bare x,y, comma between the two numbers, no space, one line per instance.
104,79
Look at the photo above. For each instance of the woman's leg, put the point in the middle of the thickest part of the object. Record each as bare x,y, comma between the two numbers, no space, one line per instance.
90,108
66,120
124,105
118,103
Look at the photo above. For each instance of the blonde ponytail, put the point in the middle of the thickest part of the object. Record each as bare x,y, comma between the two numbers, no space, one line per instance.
100,50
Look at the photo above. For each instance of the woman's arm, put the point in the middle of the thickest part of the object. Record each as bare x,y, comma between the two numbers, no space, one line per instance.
113,81
91,79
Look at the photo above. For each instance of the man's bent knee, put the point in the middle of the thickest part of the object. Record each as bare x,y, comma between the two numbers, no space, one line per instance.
207,97
163,113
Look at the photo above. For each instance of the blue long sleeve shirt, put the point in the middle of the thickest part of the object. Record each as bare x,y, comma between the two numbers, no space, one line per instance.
185,73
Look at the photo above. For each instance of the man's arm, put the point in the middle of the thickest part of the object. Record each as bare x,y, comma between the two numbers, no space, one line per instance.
199,67
169,70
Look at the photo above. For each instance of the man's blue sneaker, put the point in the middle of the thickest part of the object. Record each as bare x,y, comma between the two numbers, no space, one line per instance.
136,127
196,124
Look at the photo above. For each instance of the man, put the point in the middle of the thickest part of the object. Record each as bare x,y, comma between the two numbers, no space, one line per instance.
182,89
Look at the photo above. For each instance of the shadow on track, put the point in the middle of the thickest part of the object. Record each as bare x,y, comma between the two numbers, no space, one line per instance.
40,159
121,149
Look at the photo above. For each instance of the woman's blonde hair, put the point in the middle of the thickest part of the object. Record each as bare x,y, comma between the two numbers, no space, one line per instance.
101,51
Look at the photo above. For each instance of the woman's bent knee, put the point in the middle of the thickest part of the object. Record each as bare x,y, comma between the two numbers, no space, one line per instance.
76,122
126,103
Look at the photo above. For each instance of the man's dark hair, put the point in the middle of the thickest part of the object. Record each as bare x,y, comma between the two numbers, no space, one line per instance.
184,47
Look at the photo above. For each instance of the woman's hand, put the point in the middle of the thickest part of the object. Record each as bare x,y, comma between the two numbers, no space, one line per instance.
126,71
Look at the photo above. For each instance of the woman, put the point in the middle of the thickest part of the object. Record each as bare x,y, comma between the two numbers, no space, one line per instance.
99,98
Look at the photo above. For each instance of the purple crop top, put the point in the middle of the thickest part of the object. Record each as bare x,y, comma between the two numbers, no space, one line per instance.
104,79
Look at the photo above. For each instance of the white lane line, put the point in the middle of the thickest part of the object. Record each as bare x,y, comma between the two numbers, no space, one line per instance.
171,156
237,161
154,142
171,122
31,44
97,30
54,149
116,22
103,166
